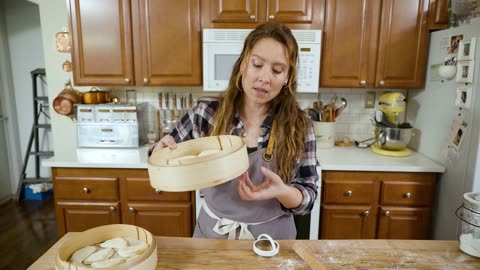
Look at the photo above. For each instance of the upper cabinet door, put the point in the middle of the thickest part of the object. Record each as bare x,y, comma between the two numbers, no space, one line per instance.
102,42
350,43
290,11
296,14
232,13
167,47
403,44
226,11
438,14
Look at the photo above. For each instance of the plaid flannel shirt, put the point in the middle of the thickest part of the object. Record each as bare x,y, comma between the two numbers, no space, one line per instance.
199,121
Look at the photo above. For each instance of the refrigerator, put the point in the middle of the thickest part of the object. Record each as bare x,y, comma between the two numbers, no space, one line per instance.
446,129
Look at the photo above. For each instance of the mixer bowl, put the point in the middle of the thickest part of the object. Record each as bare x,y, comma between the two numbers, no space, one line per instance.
393,139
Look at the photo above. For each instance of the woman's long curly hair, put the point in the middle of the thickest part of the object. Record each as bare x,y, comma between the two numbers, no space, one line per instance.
291,121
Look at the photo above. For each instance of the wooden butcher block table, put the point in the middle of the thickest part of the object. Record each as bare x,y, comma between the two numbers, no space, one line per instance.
188,253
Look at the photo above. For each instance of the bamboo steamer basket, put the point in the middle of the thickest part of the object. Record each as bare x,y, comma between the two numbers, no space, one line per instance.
146,261
169,174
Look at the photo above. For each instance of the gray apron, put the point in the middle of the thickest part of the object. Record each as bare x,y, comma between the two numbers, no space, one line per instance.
225,203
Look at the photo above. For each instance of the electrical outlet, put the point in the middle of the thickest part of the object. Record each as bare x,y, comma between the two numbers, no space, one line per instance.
369,99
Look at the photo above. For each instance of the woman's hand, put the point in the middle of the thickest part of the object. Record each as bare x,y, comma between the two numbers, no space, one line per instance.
272,187
167,141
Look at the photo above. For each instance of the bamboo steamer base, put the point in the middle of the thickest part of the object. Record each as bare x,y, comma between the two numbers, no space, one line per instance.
168,173
146,261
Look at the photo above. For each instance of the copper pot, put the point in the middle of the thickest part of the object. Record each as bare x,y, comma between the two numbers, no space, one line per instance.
95,96
63,103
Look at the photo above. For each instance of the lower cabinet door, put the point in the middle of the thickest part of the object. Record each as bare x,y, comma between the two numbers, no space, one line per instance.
347,222
161,219
404,223
80,216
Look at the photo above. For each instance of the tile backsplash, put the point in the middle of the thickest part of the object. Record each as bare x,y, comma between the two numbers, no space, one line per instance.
353,123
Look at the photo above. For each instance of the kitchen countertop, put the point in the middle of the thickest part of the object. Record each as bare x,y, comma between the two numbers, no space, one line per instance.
101,158
191,253
363,159
331,159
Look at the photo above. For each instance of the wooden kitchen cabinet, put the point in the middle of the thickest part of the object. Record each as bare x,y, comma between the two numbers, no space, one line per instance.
79,216
403,222
160,212
371,205
438,14
101,33
303,14
167,219
383,44
135,42
87,198
348,222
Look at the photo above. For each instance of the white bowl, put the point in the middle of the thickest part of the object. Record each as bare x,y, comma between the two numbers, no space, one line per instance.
447,72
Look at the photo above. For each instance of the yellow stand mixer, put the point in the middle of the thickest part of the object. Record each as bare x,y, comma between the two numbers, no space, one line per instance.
391,135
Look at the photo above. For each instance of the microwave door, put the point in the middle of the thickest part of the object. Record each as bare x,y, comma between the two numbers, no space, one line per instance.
219,59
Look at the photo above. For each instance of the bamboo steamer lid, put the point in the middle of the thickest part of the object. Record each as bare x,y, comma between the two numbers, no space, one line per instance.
169,171
146,261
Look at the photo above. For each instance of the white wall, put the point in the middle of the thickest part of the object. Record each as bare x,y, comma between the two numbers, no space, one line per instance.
53,17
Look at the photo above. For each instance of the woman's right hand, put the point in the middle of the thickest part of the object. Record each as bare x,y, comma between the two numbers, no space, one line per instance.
167,141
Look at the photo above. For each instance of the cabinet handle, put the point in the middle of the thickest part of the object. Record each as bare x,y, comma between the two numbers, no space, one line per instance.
131,209
347,193
157,191
271,17
387,213
146,80
201,195
127,80
86,190
382,83
252,17
112,209
366,213
363,83
408,195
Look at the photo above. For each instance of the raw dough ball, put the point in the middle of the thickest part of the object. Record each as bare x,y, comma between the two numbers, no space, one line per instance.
132,250
133,242
116,243
100,255
82,254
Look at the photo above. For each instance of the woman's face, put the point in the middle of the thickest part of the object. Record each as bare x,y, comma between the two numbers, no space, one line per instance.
265,72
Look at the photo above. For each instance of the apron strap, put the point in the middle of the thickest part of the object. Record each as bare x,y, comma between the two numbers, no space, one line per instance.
268,154
228,226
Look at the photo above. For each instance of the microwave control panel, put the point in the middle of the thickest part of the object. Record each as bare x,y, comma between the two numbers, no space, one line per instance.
308,68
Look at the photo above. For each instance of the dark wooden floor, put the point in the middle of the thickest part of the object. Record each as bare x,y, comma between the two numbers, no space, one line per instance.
28,229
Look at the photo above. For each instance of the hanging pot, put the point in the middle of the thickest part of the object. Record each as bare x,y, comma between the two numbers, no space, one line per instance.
95,96
63,103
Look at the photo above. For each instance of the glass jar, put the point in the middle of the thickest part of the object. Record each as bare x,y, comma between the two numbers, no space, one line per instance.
469,214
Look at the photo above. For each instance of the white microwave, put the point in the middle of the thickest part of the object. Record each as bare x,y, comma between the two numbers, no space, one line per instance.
222,47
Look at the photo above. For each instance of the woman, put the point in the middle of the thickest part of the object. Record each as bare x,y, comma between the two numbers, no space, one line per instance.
260,97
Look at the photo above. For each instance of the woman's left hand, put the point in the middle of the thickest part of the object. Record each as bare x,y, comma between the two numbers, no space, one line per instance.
272,187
